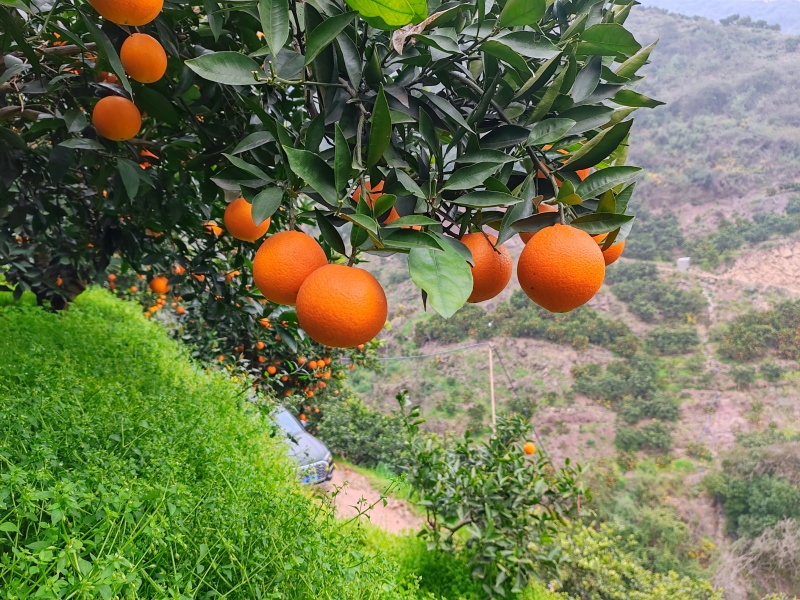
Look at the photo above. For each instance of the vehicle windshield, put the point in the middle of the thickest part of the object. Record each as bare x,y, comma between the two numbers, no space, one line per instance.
287,422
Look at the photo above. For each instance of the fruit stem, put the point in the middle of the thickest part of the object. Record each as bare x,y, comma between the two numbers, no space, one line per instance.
352,259
561,217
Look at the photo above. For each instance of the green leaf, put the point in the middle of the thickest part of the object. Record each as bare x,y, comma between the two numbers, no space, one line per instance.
215,19
129,173
228,68
598,223
323,35
507,55
363,221
108,49
252,141
519,211
517,13
246,166
315,172
486,199
411,221
351,58
329,233
82,144
608,39
529,44
587,80
549,131
599,147
381,130
606,179
624,197
342,160
486,156
274,15
505,136
406,239
265,203
447,108
390,14
470,177
409,184
9,527
635,99
536,222
607,203
549,98
444,275
629,68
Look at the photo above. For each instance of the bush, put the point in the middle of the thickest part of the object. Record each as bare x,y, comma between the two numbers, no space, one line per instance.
471,321
595,566
131,472
660,406
771,372
635,377
743,375
757,334
364,435
658,237
671,341
654,436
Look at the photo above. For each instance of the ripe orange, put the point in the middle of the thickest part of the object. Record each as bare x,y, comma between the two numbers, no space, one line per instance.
128,12
159,285
116,118
260,345
180,310
271,370
144,58
341,306
526,236
529,448
561,268
493,266
283,262
239,222
372,195
613,253
212,227
178,270
312,365
301,360
134,289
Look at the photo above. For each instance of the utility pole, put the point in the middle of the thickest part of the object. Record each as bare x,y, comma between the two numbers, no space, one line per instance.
491,384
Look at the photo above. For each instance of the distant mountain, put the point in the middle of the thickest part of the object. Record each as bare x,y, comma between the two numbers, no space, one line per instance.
731,125
785,13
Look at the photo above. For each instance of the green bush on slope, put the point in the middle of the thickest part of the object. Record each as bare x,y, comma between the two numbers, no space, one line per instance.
127,471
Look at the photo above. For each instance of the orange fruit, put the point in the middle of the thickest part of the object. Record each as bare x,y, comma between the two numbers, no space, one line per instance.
229,277
529,448
239,222
134,289
111,277
128,12
561,268
372,195
180,310
302,417
283,262
341,306
260,345
301,360
312,365
525,236
212,227
262,360
106,77
178,270
271,370
613,253
159,285
493,266
116,118
144,58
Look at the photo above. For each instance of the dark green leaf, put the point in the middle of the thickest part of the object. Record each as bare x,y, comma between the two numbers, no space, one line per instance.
624,197
469,177
351,58
363,221
108,50
529,44
629,68
486,199
486,156
228,68
246,166
447,108
274,16
606,179
315,172
608,39
82,144
129,173
381,130
587,80
406,239
342,161
265,203
254,140
536,222
549,98
635,99
506,54
519,211
409,184
549,131
607,203
329,233
444,275
598,223
324,34
505,136
214,18
411,221
599,147
517,13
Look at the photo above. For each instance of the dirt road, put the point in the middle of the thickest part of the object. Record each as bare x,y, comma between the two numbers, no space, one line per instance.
356,491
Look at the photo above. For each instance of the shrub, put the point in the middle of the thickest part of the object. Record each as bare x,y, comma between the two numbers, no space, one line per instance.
672,340
660,406
654,436
131,472
699,450
743,375
658,237
757,334
771,372
635,377
471,321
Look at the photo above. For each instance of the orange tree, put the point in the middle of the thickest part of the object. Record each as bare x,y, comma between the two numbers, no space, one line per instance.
468,117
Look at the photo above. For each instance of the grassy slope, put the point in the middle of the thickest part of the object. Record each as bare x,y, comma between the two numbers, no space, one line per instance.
127,470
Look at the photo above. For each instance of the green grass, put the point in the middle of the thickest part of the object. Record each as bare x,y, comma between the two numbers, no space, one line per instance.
129,471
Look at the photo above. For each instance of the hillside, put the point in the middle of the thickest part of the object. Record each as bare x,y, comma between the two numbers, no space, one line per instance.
730,130
785,13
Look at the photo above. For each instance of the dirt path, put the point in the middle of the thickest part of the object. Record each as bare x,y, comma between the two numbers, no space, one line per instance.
356,491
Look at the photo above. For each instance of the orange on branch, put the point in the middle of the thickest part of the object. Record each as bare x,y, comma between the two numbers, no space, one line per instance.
371,197
612,254
128,12
143,58
561,268
529,448
283,262
525,236
341,306
159,285
239,221
116,118
493,266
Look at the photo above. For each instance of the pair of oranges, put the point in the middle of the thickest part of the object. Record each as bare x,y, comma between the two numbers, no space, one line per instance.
143,58
337,305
